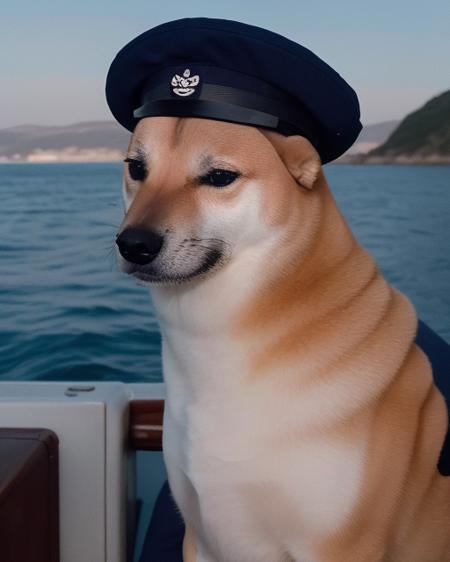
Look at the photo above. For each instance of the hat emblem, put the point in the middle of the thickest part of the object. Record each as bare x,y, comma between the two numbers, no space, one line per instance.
185,85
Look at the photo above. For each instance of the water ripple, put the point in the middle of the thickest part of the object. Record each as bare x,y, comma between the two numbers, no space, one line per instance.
66,313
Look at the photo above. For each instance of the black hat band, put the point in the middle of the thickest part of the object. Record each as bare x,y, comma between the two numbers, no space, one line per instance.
222,102
231,71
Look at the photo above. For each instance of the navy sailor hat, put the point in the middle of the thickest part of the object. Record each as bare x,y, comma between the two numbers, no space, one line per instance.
231,71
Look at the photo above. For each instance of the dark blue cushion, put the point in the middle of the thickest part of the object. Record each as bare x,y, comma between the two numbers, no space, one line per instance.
164,538
438,352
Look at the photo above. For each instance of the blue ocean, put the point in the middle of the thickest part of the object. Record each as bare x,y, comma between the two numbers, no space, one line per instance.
66,313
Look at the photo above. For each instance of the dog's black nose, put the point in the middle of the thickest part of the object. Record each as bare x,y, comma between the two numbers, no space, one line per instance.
139,245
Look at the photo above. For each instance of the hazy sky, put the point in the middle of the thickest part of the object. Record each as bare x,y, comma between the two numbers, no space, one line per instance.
54,55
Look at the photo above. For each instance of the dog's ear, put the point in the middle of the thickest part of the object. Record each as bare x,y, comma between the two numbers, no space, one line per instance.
298,155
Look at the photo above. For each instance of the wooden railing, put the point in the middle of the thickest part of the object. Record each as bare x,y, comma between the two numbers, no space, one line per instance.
146,424
29,483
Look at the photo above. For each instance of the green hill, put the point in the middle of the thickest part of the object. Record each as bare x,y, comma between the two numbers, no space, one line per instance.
422,137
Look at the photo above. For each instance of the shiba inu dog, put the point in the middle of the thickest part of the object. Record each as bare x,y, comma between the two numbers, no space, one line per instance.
301,421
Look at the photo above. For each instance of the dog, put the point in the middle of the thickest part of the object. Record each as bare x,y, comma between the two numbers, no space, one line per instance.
301,420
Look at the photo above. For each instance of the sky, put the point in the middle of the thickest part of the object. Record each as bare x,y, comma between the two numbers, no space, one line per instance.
54,55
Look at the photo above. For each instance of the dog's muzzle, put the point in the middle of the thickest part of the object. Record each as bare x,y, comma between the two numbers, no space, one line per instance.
139,245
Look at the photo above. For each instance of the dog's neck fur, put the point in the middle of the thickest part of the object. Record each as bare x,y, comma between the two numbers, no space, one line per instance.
263,284
295,328
277,300
292,255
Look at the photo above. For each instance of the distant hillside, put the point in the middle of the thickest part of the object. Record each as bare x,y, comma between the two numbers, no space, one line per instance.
89,141
106,140
422,137
372,136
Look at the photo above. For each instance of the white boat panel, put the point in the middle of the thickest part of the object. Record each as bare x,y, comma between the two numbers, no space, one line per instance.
92,429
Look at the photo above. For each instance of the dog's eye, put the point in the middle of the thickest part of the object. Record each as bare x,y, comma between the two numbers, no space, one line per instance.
137,169
219,178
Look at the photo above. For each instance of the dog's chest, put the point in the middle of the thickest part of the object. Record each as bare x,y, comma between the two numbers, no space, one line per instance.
228,471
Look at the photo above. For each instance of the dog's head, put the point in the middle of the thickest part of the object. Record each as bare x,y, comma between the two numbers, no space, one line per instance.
198,192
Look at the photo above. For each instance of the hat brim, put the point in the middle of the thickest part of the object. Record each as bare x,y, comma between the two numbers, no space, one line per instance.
281,63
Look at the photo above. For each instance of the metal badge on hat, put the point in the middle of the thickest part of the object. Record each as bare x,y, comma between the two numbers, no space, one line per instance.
185,85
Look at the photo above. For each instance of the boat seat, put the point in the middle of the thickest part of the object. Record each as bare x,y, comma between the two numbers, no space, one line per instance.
164,538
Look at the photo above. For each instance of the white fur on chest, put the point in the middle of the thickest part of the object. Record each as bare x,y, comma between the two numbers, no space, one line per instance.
228,471
250,494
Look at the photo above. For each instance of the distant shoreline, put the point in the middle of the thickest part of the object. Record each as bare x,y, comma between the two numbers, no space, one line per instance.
400,160
65,155
343,161
8,162
106,141
444,162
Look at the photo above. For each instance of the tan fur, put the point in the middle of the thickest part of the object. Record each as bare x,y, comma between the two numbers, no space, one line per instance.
168,195
189,548
317,316
339,300
298,155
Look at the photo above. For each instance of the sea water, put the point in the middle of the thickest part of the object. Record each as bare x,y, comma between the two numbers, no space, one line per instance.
67,313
